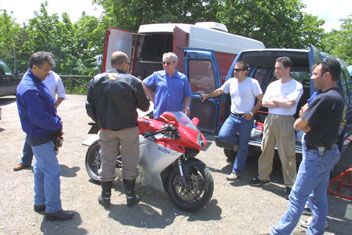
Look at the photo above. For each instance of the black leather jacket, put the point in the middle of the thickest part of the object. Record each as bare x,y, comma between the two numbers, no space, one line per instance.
113,98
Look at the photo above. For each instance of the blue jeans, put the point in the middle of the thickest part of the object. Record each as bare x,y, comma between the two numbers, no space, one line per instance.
227,132
27,154
313,176
46,177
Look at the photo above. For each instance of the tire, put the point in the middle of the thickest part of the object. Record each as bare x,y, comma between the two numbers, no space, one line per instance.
195,196
230,154
93,161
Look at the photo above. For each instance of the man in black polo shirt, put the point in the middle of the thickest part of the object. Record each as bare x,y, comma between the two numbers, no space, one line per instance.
320,122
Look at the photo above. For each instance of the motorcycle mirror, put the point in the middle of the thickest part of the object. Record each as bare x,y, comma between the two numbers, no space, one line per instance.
195,121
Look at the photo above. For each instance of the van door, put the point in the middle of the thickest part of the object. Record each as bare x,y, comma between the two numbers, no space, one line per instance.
314,56
202,70
116,40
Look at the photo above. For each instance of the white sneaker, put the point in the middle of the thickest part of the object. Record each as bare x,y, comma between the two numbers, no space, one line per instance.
232,177
306,223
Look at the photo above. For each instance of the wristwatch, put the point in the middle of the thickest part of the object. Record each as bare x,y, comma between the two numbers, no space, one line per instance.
251,113
187,107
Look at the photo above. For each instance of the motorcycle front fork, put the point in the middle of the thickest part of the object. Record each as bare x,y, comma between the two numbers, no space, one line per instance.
181,172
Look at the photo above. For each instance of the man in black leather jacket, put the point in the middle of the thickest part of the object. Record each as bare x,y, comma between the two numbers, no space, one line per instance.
112,100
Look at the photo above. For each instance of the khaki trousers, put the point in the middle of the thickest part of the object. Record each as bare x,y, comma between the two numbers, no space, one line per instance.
278,129
113,143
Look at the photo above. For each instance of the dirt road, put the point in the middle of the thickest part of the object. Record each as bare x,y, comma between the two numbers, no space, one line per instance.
235,208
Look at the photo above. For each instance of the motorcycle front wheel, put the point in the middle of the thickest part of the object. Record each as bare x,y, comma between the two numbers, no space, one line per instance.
196,194
93,161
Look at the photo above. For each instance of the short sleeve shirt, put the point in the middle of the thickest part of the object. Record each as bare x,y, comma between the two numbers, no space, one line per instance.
292,90
324,116
170,91
242,94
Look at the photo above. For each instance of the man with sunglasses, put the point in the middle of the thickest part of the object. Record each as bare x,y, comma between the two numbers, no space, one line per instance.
321,123
243,91
173,92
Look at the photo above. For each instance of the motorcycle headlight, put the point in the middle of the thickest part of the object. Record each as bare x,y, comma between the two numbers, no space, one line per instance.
200,141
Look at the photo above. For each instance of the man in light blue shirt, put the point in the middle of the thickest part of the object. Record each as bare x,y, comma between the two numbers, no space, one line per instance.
173,92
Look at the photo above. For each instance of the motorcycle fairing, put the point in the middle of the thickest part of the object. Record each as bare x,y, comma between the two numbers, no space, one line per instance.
154,158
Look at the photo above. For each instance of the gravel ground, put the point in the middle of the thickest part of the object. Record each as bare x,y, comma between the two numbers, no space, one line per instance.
235,208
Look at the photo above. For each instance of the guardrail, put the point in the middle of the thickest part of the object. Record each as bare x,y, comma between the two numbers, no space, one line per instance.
70,80
74,83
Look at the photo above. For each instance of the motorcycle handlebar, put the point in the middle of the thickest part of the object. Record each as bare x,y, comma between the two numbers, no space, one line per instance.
166,129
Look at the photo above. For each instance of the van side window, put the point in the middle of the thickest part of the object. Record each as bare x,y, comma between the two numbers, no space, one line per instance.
201,76
346,85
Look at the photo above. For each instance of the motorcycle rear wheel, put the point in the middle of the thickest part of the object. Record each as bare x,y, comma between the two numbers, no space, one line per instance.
197,194
93,161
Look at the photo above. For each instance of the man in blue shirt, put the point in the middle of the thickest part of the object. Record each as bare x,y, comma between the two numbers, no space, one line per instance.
173,92
42,125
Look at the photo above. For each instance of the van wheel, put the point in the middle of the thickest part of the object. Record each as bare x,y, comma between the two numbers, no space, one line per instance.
230,154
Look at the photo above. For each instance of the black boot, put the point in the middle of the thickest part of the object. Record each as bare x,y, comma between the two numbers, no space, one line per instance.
104,198
131,196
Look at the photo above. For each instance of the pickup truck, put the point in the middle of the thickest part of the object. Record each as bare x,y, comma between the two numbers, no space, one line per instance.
8,81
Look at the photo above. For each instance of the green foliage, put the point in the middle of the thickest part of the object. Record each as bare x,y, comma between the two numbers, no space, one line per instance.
12,38
339,42
277,23
74,45
129,14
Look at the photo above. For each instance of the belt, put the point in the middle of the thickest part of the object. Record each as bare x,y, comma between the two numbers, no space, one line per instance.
320,148
238,114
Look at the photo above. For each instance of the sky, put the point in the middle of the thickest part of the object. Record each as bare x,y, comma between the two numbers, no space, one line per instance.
24,9
329,10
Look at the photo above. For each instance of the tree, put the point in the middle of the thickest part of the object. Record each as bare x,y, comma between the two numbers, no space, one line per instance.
129,14
88,42
74,45
10,36
339,42
278,23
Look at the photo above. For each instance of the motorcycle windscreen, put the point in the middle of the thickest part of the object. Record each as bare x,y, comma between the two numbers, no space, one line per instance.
203,76
116,40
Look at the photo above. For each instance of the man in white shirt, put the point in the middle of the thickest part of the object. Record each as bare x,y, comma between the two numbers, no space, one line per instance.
243,91
281,98
54,84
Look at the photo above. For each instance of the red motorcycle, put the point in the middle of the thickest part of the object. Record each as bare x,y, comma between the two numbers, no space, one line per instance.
168,147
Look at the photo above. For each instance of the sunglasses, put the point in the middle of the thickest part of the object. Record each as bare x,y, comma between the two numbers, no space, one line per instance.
237,70
167,62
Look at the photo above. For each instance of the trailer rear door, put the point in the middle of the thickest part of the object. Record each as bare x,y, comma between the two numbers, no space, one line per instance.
116,40
180,38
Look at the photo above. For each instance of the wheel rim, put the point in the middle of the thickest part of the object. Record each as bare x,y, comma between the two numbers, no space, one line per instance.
95,161
194,191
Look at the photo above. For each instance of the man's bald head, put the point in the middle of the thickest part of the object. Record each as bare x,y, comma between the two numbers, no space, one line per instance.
118,58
